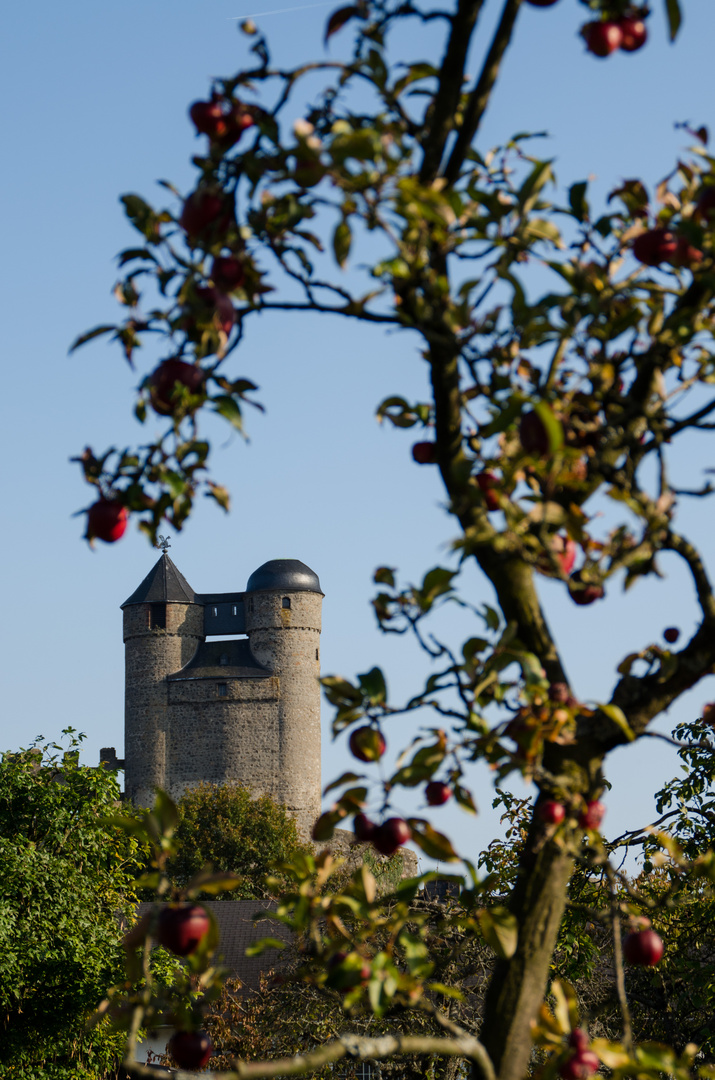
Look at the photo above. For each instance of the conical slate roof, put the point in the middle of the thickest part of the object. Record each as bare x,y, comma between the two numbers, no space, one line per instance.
163,584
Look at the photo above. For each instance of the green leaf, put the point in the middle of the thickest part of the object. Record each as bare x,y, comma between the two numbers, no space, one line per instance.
342,239
83,338
373,686
577,200
447,991
259,947
207,881
338,19
346,778
464,797
500,931
434,844
384,575
228,408
619,718
674,17
554,430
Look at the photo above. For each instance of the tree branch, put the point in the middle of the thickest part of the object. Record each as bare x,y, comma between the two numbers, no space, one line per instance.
479,98
355,1047
451,75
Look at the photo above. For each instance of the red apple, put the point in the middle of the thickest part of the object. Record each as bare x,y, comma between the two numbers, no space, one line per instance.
671,634
190,1049
227,272
655,246
424,453
533,434
552,812
559,693
224,121
363,828
602,37
223,309
390,835
437,793
580,1065
107,520
686,254
169,377
367,744
209,117
584,592
579,1039
705,205
201,209
644,948
633,32
489,486
182,928
708,713
564,550
592,816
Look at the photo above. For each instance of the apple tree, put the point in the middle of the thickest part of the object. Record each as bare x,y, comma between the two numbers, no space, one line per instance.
569,351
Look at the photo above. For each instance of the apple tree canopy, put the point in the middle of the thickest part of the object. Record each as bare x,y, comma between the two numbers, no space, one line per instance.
569,348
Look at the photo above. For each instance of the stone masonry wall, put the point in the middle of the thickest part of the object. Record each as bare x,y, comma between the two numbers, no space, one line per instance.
224,740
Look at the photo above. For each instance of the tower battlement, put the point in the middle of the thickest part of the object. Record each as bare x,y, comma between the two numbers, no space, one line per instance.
242,710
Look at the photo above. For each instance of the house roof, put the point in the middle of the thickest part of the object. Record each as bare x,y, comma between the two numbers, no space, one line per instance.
240,927
163,584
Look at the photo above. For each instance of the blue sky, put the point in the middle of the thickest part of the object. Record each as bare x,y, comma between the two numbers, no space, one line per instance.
95,106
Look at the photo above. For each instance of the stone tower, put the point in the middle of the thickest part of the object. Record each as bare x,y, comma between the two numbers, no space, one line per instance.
241,709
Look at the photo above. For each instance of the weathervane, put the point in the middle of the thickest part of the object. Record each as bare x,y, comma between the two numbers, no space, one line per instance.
163,543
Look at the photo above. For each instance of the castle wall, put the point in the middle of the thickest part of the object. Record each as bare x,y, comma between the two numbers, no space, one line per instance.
224,740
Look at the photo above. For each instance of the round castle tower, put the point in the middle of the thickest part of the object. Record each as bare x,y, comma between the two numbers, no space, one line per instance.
242,709
283,609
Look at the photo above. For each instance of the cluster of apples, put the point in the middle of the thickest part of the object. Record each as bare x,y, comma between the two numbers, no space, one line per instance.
603,36
368,744
181,928
553,812
666,245
223,119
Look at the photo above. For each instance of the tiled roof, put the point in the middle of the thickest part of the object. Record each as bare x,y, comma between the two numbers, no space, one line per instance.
239,928
163,584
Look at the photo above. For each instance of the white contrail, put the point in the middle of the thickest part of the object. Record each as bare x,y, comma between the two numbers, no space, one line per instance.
279,11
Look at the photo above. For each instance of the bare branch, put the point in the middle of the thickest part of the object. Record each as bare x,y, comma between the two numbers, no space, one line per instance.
355,1047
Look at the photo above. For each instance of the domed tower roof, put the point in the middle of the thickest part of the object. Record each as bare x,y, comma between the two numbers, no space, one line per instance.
284,575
